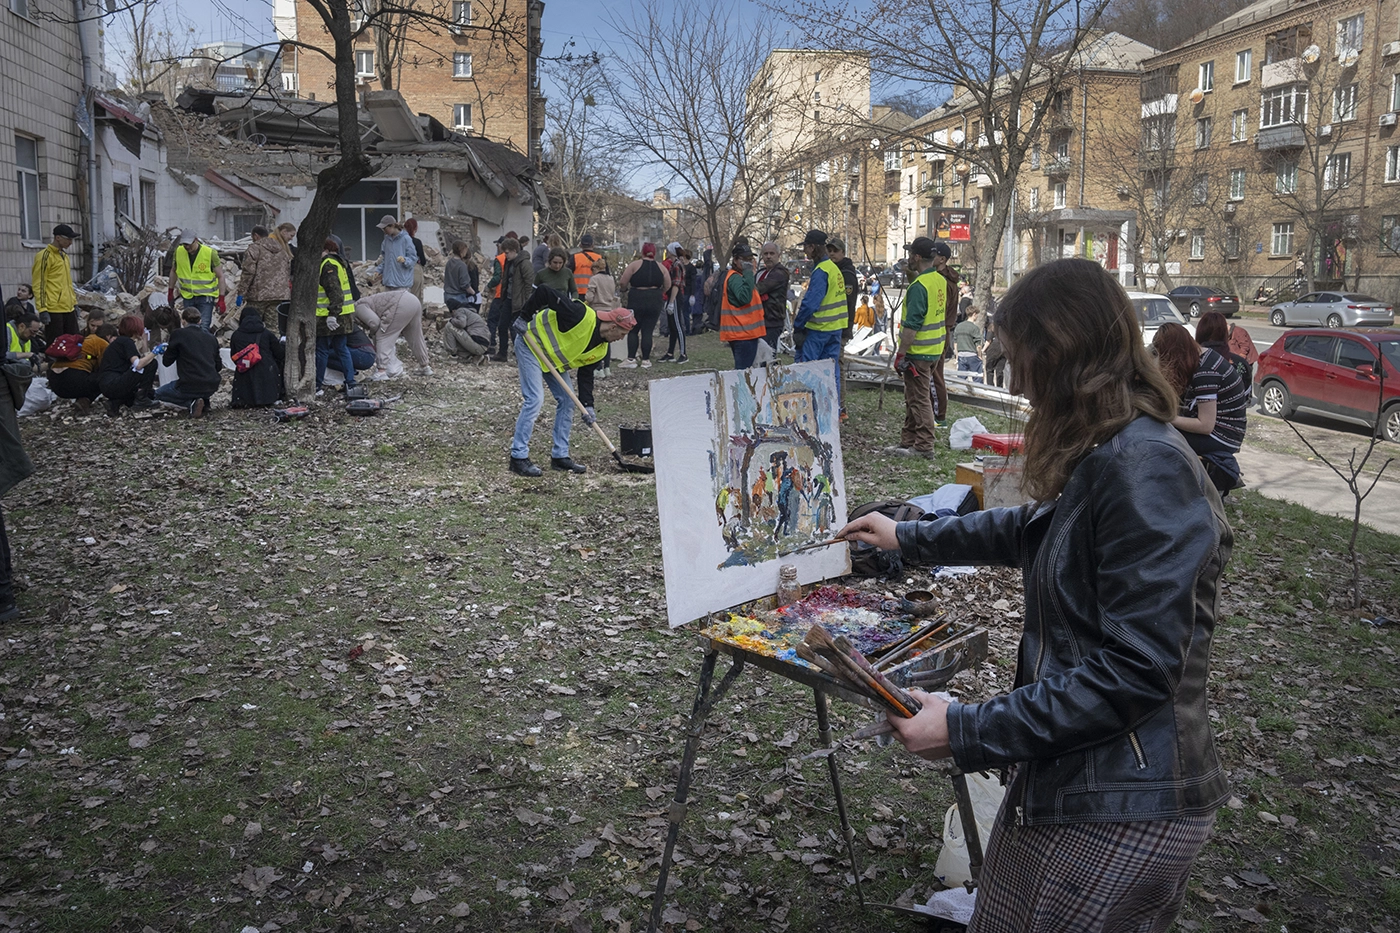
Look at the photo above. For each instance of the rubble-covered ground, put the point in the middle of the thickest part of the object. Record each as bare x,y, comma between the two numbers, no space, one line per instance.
350,674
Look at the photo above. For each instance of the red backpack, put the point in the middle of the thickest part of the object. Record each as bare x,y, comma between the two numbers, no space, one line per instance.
65,348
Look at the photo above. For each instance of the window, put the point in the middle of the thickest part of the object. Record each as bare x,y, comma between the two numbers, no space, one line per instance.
148,203
1286,43
1353,353
817,77
1392,164
461,13
1058,188
1337,172
1344,104
1161,191
1283,240
364,63
1159,132
1198,243
1035,199
1244,66
462,116
27,172
893,157
1239,122
1282,106
1203,131
20,6
1286,177
816,116
1237,177
1200,188
1061,145
1158,84
1206,78
1350,32
121,202
1312,346
1395,93
817,96
1390,233
461,64
1035,156
923,217
1232,242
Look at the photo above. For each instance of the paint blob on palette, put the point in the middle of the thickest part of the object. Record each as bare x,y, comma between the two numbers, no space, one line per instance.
748,472
870,622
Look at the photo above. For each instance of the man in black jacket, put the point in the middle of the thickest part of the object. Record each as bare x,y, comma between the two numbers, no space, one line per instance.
772,284
196,351
836,249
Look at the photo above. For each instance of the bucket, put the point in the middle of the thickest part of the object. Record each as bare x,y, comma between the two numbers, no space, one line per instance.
636,440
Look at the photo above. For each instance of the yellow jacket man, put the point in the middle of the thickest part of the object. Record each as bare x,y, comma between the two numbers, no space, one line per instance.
52,282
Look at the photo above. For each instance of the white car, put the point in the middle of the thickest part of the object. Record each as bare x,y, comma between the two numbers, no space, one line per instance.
1155,310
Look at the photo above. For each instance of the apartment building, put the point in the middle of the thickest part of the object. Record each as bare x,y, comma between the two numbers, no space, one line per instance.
1280,124
1069,200
814,140
477,72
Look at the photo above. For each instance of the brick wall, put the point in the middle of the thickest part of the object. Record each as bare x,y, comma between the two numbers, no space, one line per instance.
498,90
42,69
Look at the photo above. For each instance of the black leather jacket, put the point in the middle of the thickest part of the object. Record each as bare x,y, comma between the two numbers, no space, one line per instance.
1107,720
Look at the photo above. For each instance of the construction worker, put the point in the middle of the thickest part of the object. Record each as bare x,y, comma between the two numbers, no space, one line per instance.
582,263
51,280
200,280
741,308
823,313
923,331
567,334
19,333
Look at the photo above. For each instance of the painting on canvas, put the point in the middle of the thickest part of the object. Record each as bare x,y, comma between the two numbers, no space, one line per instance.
748,470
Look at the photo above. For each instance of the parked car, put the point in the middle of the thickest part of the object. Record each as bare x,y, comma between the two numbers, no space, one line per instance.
1336,373
1155,310
1334,309
1195,300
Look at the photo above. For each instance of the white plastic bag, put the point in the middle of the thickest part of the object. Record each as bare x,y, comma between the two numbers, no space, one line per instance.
986,793
38,398
960,436
764,354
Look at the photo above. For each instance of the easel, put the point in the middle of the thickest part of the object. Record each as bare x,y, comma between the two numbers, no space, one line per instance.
951,656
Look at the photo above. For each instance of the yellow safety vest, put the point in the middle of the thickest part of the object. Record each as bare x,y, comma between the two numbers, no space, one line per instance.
831,313
199,280
931,335
347,297
16,345
565,349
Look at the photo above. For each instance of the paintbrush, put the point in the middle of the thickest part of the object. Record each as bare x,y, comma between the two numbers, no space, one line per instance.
900,695
900,649
816,544
859,672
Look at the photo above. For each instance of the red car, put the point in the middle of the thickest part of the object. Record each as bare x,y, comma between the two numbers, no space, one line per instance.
1339,373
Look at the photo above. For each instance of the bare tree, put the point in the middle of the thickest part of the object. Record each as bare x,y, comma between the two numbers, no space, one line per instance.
676,96
150,47
581,180
1004,59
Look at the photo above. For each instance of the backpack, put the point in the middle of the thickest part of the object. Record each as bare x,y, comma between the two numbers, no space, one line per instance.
713,302
247,358
65,347
869,561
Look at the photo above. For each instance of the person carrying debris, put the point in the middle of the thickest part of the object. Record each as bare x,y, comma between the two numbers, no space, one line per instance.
569,334
1115,778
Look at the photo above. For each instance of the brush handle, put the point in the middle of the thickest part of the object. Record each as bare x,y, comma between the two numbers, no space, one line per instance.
899,694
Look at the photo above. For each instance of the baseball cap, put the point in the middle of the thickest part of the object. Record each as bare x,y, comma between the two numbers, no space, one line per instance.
742,251
836,243
387,220
189,236
586,240
921,246
622,317
942,249
815,238
65,230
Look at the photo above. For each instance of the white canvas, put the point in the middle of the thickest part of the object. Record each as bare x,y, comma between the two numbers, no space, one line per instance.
721,437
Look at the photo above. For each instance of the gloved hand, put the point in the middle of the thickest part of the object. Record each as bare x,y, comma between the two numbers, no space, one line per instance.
518,326
901,365
589,417
332,324
221,307
170,297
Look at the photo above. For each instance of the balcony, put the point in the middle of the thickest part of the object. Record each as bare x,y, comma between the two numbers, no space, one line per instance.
1062,118
1288,136
1160,107
1057,165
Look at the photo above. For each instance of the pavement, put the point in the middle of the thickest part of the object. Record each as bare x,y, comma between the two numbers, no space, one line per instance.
1315,486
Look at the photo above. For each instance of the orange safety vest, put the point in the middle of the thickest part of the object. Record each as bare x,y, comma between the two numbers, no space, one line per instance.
583,268
501,261
744,323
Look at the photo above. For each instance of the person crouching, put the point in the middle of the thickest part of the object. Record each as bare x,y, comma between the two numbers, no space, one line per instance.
195,352
567,334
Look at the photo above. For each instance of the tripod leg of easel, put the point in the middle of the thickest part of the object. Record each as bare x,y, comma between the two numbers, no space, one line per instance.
971,833
705,700
824,728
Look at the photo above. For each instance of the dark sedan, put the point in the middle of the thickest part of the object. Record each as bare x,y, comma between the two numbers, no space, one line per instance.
1196,300
1342,374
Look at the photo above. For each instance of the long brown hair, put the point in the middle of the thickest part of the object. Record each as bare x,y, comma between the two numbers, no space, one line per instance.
1076,351
1178,355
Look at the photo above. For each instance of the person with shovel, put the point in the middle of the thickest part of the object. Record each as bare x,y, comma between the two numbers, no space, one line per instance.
557,334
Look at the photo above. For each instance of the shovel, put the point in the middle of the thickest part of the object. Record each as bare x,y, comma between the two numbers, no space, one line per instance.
627,466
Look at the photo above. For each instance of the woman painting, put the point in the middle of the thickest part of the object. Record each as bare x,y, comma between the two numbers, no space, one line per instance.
1114,776
647,283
